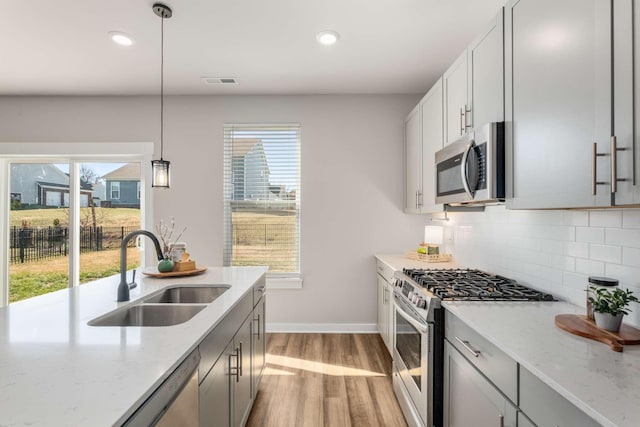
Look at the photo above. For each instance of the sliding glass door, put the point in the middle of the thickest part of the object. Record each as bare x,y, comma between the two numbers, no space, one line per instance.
66,217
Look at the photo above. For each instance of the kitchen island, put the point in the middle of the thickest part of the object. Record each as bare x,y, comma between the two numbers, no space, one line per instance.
57,370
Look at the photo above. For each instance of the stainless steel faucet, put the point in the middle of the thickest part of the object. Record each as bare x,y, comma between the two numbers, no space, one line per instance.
123,287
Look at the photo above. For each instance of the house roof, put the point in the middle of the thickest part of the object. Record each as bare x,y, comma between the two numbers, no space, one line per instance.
242,146
128,172
83,185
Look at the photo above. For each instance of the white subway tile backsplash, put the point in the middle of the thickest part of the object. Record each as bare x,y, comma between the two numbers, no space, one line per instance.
589,234
606,253
578,218
576,249
631,218
589,268
631,257
628,276
605,218
553,251
623,237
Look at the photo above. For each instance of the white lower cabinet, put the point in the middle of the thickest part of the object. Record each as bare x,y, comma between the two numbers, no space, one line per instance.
483,386
546,407
469,398
386,315
523,421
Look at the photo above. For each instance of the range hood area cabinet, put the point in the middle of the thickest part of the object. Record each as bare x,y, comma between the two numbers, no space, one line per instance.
559,88
423,137
471,88
474,83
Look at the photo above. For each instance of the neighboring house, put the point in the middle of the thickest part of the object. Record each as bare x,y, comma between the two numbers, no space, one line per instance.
250,172
44,184
123,186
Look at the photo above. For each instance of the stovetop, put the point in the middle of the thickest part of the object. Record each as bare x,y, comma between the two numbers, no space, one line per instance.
473,285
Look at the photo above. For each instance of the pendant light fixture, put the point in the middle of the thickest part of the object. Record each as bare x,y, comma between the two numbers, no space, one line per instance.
160,168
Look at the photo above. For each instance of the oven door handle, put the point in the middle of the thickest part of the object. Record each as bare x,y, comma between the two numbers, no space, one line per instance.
421,327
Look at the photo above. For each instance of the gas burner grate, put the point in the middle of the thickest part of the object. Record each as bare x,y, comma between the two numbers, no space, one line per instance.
473,285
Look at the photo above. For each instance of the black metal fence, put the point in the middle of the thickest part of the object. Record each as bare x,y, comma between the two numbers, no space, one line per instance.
264,234
36,243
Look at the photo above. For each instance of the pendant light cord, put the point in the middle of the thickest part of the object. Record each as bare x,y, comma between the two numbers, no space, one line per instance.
161,86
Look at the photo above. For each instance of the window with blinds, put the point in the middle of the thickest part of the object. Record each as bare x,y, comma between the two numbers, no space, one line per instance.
262,197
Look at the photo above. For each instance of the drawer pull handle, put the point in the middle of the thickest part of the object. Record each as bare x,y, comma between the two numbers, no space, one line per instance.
466,345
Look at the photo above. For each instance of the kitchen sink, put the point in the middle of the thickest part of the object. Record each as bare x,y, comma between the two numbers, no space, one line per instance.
149,315
186,294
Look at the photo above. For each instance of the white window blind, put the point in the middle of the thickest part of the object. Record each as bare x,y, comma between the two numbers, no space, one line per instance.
262,197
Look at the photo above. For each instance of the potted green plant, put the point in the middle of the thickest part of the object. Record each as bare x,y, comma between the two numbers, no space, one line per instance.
610,306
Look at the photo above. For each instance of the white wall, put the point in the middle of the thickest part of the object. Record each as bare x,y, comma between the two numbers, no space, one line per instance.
351,181
553,251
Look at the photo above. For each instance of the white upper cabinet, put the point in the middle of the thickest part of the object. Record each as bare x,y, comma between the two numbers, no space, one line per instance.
423,130
455,82
413,161
486,75
559,112
432,141
626,111
474,83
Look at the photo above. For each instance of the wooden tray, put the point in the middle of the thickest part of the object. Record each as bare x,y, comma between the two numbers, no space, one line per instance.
153,272
579,325
427,258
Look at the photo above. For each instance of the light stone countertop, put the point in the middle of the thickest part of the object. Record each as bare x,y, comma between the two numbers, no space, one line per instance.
57,370
398,262
602,383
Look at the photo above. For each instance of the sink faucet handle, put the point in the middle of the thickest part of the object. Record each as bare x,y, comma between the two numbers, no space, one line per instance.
133,283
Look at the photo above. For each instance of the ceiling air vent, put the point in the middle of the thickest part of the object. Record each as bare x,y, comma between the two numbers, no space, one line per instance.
219,80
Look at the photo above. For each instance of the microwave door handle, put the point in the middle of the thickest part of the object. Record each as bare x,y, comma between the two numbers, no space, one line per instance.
463,170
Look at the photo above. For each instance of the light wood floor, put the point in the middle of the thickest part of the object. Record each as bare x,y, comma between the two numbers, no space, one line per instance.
332,380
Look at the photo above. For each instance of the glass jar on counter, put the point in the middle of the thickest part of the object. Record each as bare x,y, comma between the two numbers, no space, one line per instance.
177,250
597,282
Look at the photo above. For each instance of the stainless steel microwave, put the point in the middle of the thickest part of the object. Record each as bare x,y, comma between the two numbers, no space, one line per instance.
471,170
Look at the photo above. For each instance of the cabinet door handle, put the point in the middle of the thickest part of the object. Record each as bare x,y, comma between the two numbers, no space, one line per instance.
594,169
258,328
419,199
462,121
240,361
235,370
501,420
466,110
466,345
614,164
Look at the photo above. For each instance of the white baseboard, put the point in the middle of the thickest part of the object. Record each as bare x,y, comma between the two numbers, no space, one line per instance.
338,328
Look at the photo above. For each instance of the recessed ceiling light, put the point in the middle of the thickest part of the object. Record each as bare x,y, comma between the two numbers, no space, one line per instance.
123,39
327,37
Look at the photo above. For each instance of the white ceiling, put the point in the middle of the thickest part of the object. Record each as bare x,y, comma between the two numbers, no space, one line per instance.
387,46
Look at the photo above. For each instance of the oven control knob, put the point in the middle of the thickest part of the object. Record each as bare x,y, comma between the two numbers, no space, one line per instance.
422,303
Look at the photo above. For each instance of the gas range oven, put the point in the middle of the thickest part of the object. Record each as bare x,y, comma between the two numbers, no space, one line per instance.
419,330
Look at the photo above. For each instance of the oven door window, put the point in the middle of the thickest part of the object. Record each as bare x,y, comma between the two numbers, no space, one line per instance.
409,344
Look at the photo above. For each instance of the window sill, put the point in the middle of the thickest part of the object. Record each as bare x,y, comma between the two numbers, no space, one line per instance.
284,282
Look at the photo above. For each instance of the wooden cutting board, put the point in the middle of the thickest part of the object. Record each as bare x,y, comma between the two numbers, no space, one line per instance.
153,272
579,325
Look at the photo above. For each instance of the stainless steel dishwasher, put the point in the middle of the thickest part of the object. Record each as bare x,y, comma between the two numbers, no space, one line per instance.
175,402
